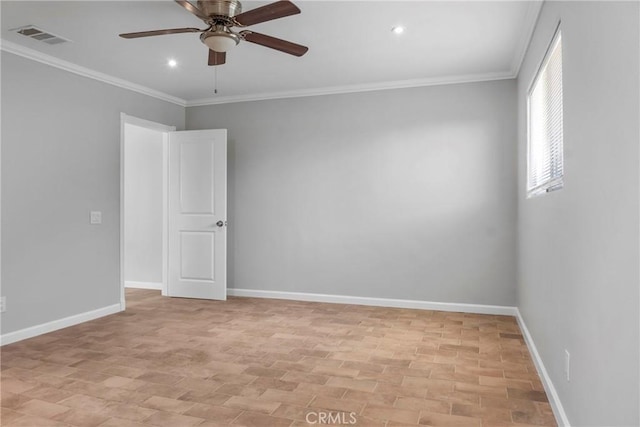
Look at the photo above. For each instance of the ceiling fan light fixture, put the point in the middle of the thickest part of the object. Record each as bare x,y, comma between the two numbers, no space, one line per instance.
220,41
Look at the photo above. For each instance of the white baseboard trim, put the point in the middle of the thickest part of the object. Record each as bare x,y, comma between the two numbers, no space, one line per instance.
144,285
552,394
378,302
54,325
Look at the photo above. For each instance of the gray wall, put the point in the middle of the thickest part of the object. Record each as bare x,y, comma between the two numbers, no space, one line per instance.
142,204
405,194
60,160
578,269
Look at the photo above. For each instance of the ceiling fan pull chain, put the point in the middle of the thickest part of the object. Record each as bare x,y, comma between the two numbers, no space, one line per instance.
215,80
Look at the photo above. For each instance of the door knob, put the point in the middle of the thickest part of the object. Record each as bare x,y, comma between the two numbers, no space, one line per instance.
220,223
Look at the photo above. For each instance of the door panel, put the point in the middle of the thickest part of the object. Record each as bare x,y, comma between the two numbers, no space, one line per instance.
196,252
197,214
197,189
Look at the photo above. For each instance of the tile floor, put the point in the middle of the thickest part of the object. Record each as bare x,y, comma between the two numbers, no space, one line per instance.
258,362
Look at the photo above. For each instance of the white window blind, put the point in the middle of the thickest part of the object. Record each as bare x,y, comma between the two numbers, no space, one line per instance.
545,154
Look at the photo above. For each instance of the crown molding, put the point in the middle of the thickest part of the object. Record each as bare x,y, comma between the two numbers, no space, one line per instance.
530,22
43,58
531,19
368,87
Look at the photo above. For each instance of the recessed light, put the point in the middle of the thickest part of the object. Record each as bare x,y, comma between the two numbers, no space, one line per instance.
398,30
172,63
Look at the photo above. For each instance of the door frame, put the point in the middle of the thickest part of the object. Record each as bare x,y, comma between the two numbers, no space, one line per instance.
165,129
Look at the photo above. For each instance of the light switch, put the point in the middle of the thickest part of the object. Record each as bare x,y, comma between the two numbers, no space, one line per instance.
96,217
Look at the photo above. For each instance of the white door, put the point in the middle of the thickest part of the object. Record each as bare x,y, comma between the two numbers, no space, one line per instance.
197,214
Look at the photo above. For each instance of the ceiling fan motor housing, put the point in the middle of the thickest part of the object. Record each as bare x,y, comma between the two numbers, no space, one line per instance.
229,8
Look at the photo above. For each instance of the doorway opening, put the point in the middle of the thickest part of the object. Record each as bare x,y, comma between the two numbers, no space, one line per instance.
143,204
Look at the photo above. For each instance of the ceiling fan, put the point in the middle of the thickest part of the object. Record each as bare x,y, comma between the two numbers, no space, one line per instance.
221,16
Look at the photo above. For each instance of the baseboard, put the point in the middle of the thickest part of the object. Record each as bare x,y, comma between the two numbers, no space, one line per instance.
378,302
144,285
552,394
54,325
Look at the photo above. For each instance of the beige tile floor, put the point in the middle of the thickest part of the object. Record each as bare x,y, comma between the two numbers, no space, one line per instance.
258,362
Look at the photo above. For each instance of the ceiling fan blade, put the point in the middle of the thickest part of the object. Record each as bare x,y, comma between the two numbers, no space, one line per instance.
191,8
217,58
274,43
160,32
276,10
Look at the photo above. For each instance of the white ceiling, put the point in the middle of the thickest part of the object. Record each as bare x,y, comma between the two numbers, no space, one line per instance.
351,46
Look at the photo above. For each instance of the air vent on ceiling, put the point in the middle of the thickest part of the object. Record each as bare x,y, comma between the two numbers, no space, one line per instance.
40,35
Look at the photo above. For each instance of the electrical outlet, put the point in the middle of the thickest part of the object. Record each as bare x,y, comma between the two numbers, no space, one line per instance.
3,304
96,217
567,365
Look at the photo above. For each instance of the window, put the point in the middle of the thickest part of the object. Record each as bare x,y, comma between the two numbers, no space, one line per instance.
545,153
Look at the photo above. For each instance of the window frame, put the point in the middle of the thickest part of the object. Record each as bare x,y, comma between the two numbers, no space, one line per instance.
554,183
